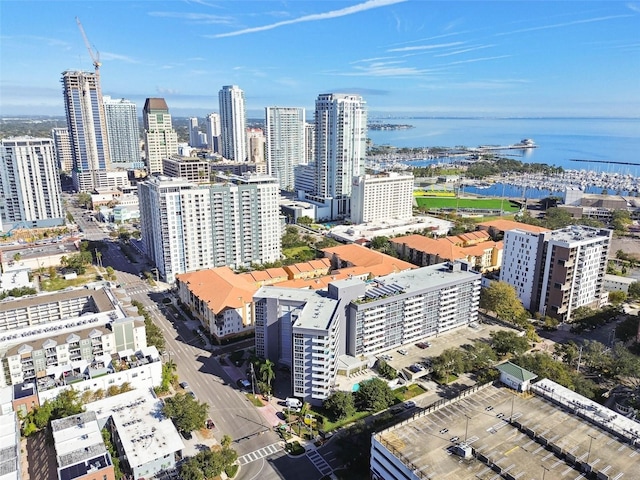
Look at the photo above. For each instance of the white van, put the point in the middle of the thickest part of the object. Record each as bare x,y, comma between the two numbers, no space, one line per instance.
292,402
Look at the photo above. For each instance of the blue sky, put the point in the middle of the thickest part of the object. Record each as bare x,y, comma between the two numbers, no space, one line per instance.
432,58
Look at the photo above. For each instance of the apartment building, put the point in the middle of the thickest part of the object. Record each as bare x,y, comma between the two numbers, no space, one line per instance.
188,227
80,450
160,138
381,197
62,147
233,123
121,117
30,189
146,441
556,272
285,135
192,169
316,332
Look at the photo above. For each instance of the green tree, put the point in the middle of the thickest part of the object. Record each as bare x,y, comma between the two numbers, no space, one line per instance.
501,298
450,362
568,352
84,199
373,395
628,329
634,290
620,220
340,405
504,342
226,441
617,297
191,470
386,370
304,220
479,355
186,412
379,243
267,374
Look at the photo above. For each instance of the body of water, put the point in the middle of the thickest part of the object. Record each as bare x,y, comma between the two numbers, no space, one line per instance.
559,140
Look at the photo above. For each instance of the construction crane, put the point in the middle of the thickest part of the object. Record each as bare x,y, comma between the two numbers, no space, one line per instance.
95,57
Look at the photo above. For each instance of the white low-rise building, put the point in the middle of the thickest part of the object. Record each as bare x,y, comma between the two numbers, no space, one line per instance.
375,198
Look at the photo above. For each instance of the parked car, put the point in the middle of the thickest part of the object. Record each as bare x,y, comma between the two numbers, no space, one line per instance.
402,352
184,385
396,409
409,404
209,424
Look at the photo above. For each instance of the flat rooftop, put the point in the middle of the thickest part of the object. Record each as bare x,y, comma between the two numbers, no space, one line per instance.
146,435
426,440
100,299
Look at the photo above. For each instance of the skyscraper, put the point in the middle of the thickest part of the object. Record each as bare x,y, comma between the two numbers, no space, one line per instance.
285,135
62,147
213,133
87,128
255,145
160,139
124,135
309,142
233,123
188,227
341,133
194,133
29,182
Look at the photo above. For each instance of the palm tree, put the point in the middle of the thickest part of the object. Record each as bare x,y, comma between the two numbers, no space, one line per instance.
267,373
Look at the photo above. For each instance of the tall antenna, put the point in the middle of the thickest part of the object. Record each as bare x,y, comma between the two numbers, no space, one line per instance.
95,57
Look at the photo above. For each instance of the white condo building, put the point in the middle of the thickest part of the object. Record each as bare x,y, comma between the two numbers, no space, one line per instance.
382,197
285,134
62,148
188,227
160,139
556,272
29,182
316,333
213,133
340,143
121,116
309,143
87,129
233,123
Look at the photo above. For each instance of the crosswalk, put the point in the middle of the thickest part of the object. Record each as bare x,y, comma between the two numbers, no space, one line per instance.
319,462
260,453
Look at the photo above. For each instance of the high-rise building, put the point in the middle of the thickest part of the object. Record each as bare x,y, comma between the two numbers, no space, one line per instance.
341,134
124,134
312,331
29,182
233,123
160,139
382,197
188,227
194,133
556,272
213,133
255,145
309,143
62,148
87,128
285,137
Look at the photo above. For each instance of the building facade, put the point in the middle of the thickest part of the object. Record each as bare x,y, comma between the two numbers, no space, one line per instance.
187,227
193,169
309,143
256,145
285,135
556,272
381,197
121,116
233,123
160,139
308,331
213,133
29,182
62,147
87,128
340,146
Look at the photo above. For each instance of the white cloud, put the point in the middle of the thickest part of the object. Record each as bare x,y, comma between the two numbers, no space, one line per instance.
361,7
464,50
634,6
425,47
565,24
116,56
483,59
200,18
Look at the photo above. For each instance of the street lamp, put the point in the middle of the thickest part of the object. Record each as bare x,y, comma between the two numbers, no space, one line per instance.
466,428
544,472
591,437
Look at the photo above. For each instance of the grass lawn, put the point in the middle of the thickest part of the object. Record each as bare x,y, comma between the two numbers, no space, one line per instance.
405,393
59,283
443,381
255,400
328,425
479,203
298,251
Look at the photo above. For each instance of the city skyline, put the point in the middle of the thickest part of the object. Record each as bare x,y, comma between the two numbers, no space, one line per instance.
404,57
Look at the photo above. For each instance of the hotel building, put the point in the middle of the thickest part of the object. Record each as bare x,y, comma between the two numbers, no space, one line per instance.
381,197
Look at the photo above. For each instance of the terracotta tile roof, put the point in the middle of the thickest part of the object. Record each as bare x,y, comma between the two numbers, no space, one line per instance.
505,225
356,255
219,287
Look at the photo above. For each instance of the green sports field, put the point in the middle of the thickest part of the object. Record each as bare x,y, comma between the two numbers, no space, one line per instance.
479,203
